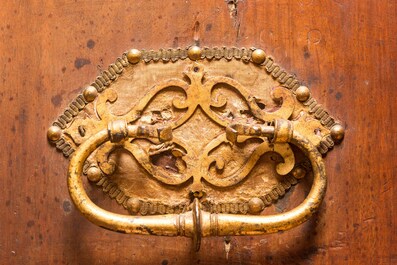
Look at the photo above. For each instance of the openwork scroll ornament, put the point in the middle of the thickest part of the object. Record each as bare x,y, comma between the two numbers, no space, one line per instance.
194,139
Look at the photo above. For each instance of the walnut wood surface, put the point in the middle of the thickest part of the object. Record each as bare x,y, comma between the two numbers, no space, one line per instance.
345,51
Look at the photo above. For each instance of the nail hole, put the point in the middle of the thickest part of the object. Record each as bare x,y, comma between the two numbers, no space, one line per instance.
317,131
261,105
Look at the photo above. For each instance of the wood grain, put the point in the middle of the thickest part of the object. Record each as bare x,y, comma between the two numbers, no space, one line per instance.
345,51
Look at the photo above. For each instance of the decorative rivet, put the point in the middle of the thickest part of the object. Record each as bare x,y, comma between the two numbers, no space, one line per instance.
133,205
298,172
90,93
255,205
94,174
134,56
54,133
194,53
337,132
302,93
258,56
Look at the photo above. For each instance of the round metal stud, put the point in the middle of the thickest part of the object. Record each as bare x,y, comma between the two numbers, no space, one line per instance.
194,53
302,93
90,93
255,205
258,56
94,174
133,205
134,56
298,172
54,133
337,132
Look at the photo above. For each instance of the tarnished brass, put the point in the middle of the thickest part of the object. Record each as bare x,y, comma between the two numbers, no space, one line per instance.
134,56
258,56
194,53
195,142
90,93
337,132
302,93
54,133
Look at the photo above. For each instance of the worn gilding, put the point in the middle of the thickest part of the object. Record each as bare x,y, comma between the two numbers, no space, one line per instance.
195,142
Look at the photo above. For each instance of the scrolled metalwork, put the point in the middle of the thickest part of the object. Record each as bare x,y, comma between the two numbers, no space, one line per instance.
195,142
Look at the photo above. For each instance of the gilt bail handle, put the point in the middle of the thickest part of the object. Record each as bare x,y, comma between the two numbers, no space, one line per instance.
197,223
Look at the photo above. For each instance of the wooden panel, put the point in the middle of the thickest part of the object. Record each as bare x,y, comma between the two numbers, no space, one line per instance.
345,50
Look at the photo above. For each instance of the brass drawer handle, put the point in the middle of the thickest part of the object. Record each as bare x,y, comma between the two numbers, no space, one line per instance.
197,223
195,142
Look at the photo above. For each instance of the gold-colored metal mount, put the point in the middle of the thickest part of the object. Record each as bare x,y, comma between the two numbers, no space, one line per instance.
54,133
258,56
282,131
196,214
134,56
235,130
197,223
256,205
90,93
302,93
94,174
194,53
297,118
298,172
119,130
337,132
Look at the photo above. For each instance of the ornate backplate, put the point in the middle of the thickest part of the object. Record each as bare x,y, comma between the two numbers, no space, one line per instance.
185,105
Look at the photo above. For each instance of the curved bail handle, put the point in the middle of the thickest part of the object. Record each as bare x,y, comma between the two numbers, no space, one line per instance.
118,131
281,132
197,223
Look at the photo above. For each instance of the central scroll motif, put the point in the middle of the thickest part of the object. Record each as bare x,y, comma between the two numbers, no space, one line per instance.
185,140
201,151
206,125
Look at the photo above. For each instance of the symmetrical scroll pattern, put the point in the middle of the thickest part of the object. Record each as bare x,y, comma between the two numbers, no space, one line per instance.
198,106
197,91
